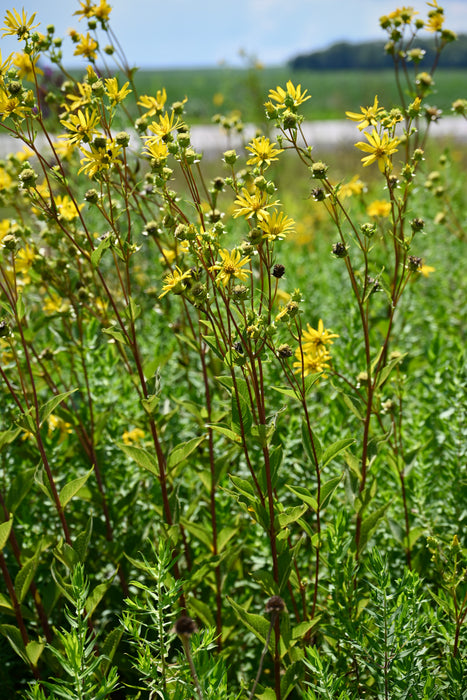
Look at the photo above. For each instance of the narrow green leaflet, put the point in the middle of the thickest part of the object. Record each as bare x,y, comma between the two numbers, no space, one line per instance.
141,456
335,449
5,529
370,523
50,406
327,490
72,487
25,576
97,253
182,451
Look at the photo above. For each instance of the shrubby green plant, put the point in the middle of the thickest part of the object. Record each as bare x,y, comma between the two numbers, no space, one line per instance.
183,436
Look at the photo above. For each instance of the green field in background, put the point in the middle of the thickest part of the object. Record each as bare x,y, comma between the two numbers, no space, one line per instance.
332,92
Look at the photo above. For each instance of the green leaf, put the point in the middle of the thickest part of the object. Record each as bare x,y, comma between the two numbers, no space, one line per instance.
141,456
291,515
211,340
50,406
116,334
96,595
201,533
327,490
182,451
81,543
109,647
257,624
34,650
97,253
369,525
202,610
13,635
305,496
25,576
287,392
225,431
20,308
5,529
8,436
244,487
386,371
19,488
241,414
311,380
353,405
150,404
72,488
336,448
224,536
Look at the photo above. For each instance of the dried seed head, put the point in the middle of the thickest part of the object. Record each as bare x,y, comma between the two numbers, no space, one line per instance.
278,271
275,604
185,626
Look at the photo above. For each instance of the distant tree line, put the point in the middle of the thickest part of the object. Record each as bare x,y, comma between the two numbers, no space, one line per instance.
371,55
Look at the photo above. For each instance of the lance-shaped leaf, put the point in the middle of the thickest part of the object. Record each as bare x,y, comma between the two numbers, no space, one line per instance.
73,487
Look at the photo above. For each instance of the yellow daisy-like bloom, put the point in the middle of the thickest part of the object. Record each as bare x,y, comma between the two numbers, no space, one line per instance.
5,179
56,423
89,10
82,126
11,106
87,46
231,266
131,436
163,128
379,208
82,99
316,339
4,228
26,67
18,24
255,204
354,187
380,149
24,261
99,159
290,97
314,361
114,94
426,270
67,209
264,152
5,64
55,304
369,116
156,149
276,225
153,105
174,281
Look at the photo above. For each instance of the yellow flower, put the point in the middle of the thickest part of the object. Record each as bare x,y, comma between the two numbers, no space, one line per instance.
82,126
290,97
82,99
4,228
153,105
263,151
369,116
87,46
155,149
354,187
26,67
255,204
379,148
56,423
54,304
24,261
426,270
312,362
379,208
231,266
11,106
164,126
66,208
316,339
4,65
218,99
18,25
174,281
100,158
5,179
131,436
89,10
114,94
276,225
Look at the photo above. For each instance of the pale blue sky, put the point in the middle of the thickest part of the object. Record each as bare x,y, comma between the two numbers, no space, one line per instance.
182,33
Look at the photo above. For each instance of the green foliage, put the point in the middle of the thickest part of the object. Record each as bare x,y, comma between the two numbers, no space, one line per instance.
206,492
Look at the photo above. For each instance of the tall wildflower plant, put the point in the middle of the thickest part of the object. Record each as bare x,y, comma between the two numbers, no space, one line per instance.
160,381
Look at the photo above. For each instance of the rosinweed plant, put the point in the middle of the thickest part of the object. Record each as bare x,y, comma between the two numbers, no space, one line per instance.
123,270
